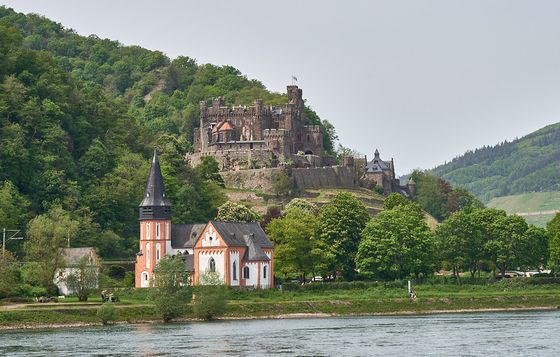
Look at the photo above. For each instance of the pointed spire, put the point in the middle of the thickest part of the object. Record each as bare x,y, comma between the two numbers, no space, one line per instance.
155,204
376,154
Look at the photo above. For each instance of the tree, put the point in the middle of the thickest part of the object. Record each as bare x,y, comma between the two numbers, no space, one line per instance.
302,204
294,238
507,243
396,243
13,208
394,200
460,242
341,222
9,271
210,296
236,212
535,253
431,193
47,234
281,183
459,199
209,170
553,233
171,292
272,212
83,278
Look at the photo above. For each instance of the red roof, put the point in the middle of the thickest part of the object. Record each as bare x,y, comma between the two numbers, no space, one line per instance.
223,126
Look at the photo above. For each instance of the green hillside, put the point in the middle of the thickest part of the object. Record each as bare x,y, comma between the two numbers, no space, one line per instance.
528,164
537,208
79,117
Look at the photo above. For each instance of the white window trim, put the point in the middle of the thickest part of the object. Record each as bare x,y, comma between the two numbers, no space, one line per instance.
157,231
147,231
148,260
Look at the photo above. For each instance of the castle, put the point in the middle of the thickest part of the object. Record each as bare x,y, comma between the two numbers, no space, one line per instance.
269,139
258,136
239,253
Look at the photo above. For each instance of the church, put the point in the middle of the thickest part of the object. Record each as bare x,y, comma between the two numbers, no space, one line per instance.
241,253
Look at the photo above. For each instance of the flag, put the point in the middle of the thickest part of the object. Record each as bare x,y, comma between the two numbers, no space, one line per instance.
294,79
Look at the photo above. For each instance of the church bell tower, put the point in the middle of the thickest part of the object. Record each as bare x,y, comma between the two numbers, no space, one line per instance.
155,226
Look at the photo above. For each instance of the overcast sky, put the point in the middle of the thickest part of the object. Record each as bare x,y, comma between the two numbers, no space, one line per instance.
423,81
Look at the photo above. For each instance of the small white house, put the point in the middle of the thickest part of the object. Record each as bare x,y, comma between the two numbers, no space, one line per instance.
72,258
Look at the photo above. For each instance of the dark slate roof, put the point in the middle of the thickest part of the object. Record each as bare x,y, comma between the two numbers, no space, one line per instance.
72,256
376,165
254,251
185,235
235,234
189,262
154,195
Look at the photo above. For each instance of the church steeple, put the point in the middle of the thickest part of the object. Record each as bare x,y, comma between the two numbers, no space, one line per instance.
155,204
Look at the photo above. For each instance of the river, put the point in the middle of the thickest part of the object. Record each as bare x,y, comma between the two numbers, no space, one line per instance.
472,334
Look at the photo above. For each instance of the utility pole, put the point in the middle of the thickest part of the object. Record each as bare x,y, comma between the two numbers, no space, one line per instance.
13,236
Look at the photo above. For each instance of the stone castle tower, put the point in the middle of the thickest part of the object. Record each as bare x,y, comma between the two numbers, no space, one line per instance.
155,226
257,136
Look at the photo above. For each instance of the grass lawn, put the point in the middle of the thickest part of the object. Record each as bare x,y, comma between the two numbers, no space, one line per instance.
326,299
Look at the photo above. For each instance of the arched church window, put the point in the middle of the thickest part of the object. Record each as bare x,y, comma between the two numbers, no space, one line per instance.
234,268
212,265
246,273
264,272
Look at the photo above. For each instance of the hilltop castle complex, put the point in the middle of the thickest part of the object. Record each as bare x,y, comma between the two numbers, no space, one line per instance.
258,136
252,143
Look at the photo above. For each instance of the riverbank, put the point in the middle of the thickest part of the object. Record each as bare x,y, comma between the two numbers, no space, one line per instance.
368,301
39,326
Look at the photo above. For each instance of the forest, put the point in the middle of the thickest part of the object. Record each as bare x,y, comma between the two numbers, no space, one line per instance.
79,117
527,164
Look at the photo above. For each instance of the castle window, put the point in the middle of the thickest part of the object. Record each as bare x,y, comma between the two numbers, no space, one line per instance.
157,230
234,269
167,231
212,265
147,231
308,138
251,146
264,272
246,273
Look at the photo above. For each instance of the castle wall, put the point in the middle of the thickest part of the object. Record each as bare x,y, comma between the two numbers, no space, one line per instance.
336,176
258,179
237,155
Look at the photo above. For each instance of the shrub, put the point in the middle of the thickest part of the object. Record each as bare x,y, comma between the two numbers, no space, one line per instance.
116,272
107,313
32,291
210,299
128,280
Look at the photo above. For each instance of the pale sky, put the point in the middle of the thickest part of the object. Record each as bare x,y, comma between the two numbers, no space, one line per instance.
423,81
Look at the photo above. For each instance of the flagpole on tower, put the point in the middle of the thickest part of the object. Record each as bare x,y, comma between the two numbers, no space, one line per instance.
294,80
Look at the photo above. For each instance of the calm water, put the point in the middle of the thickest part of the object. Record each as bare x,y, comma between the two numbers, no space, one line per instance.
494,334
